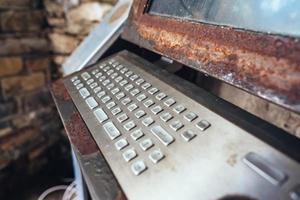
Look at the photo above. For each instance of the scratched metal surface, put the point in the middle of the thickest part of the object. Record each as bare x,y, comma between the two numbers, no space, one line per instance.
98,176
263,64
188,176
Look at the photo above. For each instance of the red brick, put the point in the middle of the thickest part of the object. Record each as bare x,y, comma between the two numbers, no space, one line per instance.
23,45
17,3
22,21
18,85
10,65
35,64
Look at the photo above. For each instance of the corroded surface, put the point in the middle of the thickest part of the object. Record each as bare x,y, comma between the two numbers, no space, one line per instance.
99,178
77,131
265,65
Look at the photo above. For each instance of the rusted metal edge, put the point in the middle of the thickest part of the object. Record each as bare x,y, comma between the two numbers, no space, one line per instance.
87,152
78,134
265,65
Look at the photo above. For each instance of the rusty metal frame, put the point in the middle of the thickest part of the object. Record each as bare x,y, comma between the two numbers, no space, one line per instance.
263,64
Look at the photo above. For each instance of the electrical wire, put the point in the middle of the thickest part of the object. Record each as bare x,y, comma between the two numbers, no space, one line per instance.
69,192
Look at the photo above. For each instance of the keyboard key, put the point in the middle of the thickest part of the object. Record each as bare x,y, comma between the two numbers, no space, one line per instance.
106,68
146,144
118,79
102,78
188,135
138,167
129,154
109,72
157,109
84,93
74,78
98,75
126,101
97,89
141,97
124,70
123,117
102,65
129,73
156,156
80,85
90,81
148,121
93,85
100,115
134,92
162,135
166,117
114,75
110,86
111,105
91,102
176,125
76,82
115,90
95,71
148,103
101,94
153,90
124,82
85,76
134,77
121,144
190,116
132,107
161,96
111,130
128,87
119,67
116,111
105,99
140,114
137,134
140,81
107,81
146,86
129,125
203,125
179,109
120,95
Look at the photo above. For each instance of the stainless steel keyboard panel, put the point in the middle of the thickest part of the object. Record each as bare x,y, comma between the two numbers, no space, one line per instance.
209,166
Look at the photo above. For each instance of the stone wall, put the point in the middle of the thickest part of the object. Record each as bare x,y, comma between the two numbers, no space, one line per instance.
70,21
35,37
29,124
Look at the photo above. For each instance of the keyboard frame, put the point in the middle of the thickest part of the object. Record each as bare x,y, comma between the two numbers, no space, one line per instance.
186,162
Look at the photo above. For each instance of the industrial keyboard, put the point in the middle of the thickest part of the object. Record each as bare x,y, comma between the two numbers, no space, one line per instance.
162,144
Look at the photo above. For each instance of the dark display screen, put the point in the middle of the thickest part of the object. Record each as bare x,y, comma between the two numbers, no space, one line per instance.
274,16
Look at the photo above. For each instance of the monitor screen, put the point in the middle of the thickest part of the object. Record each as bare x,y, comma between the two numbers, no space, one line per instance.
271,16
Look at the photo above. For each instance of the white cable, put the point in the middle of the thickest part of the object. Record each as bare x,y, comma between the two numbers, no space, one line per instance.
52,189
70,191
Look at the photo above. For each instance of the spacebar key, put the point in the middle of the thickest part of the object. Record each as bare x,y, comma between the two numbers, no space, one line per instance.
162,135
111,130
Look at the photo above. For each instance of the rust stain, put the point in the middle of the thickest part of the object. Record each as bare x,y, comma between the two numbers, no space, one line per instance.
118,13
265,65
76,129
80,136
59,90
120,195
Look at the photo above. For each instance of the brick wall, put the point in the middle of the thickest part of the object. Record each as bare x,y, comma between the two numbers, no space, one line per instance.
29,124
35,38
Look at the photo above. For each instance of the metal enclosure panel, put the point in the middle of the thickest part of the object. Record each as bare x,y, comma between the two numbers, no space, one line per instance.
209,167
